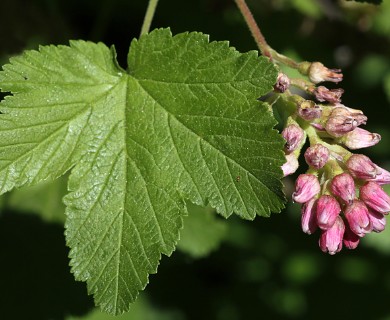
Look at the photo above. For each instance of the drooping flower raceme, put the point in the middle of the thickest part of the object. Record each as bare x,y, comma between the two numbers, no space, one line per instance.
341,193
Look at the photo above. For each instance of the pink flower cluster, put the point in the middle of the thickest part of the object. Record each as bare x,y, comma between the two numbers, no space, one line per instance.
341,193
343,216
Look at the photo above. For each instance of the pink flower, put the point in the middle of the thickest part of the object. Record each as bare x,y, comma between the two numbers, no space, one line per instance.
343,186
319,73
282,83
361,167
382,176
328,209
378,220
351,240
308,110
356,214
342,121
317,126
291,165
316,156
331,240
360,138
308,218
294,136
374,197
306,187
324,94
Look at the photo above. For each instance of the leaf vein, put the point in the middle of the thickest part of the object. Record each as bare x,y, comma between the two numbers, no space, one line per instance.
179,157
139,238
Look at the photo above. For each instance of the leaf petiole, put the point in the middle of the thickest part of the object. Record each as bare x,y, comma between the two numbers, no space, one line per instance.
149,16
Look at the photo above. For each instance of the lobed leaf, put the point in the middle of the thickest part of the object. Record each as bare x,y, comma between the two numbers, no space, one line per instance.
181,123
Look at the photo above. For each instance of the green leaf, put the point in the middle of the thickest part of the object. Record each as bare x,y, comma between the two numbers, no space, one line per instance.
371,71
308,7
43,199
387,85
381,21
369,1
142,309
1,205
182,123
202,232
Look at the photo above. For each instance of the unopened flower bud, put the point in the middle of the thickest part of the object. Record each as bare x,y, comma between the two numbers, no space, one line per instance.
307,186
351,239
361,167
324,94
328,209
291,165
356,214
382,176
356,114
343,186
342,121
351,110
375,197
319,73
282,83
309,218
360,138
331,240
294,135
378,220
308,110
316,156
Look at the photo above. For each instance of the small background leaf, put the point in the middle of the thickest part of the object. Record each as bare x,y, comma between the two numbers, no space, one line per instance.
368,1
142,309
202,232
43,199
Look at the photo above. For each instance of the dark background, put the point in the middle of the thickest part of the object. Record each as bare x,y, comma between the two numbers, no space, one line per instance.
266,269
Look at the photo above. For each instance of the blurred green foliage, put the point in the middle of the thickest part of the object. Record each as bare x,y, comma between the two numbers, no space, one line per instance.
263,269
203,231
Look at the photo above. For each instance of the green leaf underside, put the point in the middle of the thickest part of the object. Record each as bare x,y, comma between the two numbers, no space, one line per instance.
182,123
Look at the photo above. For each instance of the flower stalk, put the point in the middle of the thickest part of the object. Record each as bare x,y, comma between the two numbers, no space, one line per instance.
254,28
